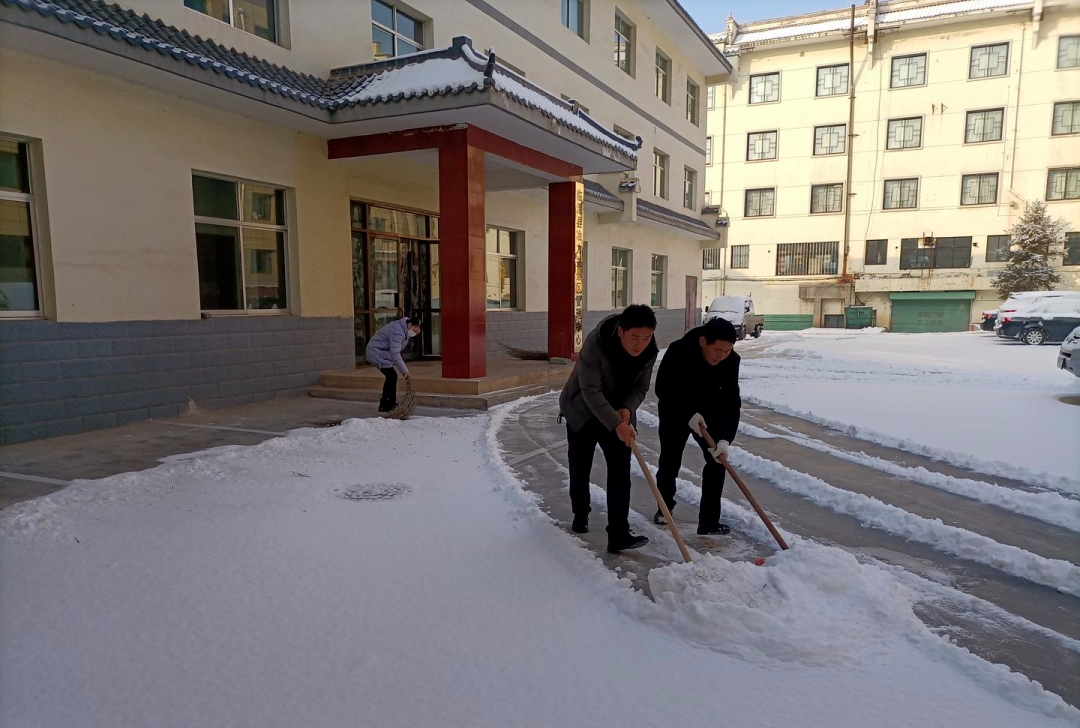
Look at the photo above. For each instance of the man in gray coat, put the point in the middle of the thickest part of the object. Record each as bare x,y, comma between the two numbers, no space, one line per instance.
384,353
599,402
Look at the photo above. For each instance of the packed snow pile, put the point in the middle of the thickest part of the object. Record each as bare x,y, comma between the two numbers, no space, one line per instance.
811,604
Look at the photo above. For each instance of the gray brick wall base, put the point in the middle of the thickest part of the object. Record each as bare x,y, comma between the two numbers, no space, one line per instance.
64,378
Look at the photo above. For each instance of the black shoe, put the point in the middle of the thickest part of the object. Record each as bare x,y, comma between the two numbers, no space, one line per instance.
624,542
719,529
580,524
658,519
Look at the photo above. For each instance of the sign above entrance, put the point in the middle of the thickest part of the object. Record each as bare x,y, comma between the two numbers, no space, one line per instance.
579,266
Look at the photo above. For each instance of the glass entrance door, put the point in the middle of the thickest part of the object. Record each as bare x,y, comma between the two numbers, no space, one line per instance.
395,274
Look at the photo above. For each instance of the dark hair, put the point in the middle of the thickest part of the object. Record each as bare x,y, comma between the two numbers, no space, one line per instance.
719,329
638,316
415,319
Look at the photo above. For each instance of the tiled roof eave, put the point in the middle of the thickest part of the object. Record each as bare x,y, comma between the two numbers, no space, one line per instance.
656,213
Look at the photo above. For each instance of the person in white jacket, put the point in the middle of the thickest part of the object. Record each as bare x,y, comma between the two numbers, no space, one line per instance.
384,353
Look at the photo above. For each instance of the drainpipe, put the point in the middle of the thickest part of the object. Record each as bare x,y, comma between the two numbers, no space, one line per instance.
1016,109
723,180
850,138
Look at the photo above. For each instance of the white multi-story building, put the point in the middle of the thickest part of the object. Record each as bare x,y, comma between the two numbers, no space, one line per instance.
217,200
885,172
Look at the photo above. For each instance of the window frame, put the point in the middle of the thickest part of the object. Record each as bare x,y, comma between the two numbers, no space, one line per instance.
882,244
1069,172
710,97
743,261
888,133
746,202
279,33
709,150
397,36
35,232
658,293
693,102
628,273
1053,118
1057,58
517,238
926,69
631,40
1072,240
1008,245
564,7
1001,129
661,174
814,148
776,145
815,251
932,253
997,188
817,80
1008,59
885,189
658,69
750,89
690,188
827,212
239,223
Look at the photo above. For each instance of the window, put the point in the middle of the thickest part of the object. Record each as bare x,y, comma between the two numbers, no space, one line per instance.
830,139
740,256
942,253
240,239
988,61
712,258
1066,118
904,133
765,88
393,32
663,77
624,44
827,198
832,80
501,274
760,203
901,194
978,189
19,293
689,189
692,100
908,71
807,259
984,126
575,17
258,17
1068,51
760,145
708,150
1072,249
996,247
620,278
710,97
877,252
1063,184
658,296
660,174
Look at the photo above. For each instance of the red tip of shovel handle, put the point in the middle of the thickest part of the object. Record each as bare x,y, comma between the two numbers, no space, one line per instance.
759,561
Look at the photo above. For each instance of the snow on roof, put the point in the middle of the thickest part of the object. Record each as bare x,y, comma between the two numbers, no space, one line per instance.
793,31
935,11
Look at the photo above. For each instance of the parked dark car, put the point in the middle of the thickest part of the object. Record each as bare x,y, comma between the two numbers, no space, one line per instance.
1051,320
988,320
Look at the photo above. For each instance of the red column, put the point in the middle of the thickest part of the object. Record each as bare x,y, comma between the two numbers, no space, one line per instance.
562,259
461,256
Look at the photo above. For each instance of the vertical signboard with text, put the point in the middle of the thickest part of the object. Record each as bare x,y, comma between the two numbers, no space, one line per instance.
579,266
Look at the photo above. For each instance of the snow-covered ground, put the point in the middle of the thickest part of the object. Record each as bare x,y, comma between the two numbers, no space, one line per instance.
396,574
967,398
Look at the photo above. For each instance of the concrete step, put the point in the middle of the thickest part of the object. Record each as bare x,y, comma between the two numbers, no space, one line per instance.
446,401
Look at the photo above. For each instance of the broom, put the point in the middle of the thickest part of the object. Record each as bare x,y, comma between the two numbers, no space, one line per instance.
407,404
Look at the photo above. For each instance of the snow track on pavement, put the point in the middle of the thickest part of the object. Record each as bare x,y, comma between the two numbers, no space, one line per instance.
1054,573
1048,507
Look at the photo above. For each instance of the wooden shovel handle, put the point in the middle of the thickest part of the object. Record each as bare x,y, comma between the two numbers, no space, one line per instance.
660,501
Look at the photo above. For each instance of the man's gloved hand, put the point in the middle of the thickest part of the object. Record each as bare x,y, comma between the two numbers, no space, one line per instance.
722,448
697,424
625,433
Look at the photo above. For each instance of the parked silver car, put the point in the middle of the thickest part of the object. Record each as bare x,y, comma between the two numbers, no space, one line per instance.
1069,355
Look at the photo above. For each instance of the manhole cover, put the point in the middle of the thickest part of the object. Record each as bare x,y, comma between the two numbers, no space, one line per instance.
374,491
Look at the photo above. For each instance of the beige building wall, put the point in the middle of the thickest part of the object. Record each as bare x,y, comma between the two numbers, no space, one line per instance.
1022,158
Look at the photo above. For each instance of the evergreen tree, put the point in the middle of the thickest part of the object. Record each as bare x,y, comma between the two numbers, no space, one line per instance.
1035,238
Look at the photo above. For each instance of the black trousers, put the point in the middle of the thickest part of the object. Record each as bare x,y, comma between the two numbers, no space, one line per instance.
673,436
389,389
580,448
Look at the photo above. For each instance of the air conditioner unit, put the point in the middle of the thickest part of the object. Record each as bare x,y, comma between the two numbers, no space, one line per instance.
722,222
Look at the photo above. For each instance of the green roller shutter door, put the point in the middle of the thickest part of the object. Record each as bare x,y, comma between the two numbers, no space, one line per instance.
919,313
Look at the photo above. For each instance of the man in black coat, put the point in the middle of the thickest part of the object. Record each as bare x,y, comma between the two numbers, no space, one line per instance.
599,402
698,382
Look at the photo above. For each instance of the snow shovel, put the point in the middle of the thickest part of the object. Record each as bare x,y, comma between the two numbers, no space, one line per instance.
660,501
745,491
407,404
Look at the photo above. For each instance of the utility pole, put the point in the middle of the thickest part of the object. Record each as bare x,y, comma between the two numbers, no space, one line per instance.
850,139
